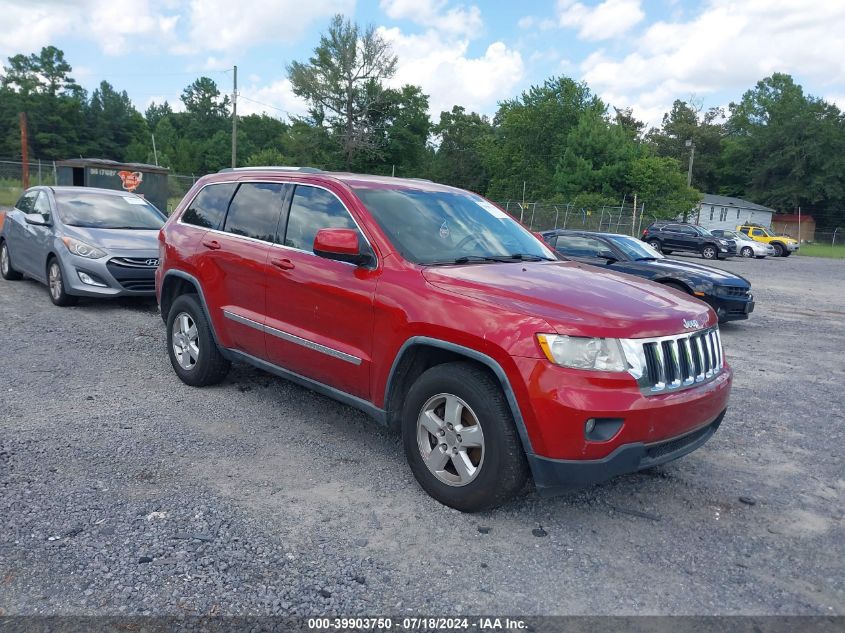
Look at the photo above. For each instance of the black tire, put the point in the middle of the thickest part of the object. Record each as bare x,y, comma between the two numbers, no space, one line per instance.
502,469
779,249
787,253
209,367
665,252
56,285
747,252
6,270
655,244
708,251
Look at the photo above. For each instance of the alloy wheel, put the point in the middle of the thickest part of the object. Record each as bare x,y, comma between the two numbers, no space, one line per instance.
4,259
450,439
185,340
55,281
709,252
747,252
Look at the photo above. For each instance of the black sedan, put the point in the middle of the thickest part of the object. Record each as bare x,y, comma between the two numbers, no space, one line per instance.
728,294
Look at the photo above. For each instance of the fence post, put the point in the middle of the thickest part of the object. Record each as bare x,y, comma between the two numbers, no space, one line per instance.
39,172
566,214
557,213
533,211
833,242
55,175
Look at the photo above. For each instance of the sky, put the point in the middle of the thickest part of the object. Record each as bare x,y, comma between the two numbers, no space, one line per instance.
641,54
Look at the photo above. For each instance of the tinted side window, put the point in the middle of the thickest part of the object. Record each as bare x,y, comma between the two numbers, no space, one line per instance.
27,202
209,207
255,210
313,209
578,246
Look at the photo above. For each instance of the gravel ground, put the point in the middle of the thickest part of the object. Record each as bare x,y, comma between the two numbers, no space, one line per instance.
123,491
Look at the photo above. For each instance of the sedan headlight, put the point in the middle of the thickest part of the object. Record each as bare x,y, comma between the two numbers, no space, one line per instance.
577,352
82,249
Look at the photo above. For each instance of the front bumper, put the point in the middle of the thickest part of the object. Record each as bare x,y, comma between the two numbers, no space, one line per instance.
554,476
113,279
731,308
792,247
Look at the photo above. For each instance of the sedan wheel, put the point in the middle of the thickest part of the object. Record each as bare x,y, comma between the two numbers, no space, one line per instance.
56,285
747,251
709,252
655,244
6,270
450,439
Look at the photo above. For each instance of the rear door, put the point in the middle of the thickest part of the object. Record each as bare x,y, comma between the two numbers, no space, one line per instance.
237,260
320,311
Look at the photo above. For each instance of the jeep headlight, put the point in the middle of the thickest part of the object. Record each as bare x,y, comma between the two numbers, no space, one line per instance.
578,352
82,249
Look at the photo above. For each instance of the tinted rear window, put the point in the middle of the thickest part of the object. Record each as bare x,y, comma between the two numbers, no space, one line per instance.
255,210
209,206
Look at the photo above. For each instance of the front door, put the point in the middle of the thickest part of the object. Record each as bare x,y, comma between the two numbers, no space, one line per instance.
319,311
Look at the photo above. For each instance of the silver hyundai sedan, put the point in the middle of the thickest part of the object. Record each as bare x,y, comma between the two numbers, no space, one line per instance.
82,241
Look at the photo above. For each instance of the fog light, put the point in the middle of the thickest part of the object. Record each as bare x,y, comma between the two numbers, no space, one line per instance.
90,279
589,426
602,429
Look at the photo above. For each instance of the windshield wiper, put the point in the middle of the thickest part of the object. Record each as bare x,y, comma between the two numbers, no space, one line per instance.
527,257
646,259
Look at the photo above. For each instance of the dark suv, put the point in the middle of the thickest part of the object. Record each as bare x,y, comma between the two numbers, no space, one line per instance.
437,313
680,236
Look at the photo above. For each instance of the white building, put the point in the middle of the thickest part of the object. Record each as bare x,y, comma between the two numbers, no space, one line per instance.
724,212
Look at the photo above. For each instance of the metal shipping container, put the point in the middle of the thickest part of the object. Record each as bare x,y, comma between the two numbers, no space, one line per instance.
147,181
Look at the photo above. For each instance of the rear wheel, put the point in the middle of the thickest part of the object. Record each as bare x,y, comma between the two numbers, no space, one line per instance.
779,249
193,352
6,270
56,285
655,244
746,251
709,252
460,440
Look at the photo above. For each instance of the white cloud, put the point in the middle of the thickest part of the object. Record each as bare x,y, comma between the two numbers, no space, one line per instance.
117,26
727,47
276,99
526,22
460,21
449,76
605,21
213,26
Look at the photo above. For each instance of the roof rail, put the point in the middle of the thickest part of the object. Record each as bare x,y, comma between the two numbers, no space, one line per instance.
307,170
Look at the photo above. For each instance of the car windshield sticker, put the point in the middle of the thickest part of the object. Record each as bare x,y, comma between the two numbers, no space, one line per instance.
444,230
133,200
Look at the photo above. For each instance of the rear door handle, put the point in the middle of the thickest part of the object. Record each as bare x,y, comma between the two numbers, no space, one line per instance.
212,244
283,264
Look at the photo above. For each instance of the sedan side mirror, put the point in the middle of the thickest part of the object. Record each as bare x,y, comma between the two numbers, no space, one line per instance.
340,245
609,256
36,219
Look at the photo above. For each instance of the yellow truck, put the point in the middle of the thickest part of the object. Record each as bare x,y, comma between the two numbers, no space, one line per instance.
783,244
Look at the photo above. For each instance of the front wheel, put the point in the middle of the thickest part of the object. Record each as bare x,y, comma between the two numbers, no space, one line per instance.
709,252
6,271
460,440
56,285
747,251
779,250
193,352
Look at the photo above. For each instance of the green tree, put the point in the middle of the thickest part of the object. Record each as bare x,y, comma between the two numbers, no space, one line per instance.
531,136
660,185
115,123
342,83
465,139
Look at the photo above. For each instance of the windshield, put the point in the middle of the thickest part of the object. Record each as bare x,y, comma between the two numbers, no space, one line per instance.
737,236
440,227
702,231
94,210
634,248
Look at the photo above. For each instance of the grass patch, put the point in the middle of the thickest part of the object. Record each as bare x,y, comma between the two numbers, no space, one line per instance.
823,250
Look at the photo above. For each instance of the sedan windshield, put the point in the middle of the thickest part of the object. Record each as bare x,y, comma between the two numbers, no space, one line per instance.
634,248
445,227
95,210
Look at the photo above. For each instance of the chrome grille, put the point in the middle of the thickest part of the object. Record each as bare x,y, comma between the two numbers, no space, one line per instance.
672,363
135,262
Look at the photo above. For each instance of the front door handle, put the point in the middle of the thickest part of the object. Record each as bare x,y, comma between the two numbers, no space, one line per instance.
212,244
283,264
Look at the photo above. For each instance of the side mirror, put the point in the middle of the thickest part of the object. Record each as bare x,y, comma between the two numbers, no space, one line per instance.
340,245
36,219
608,255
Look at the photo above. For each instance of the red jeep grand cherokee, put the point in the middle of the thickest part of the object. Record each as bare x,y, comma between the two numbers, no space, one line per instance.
432,310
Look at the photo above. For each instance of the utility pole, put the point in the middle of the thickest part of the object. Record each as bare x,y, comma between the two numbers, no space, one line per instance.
24,151
235,117
634,217
799,226
691,144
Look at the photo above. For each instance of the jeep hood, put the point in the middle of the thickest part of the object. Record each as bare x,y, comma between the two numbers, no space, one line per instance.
576,299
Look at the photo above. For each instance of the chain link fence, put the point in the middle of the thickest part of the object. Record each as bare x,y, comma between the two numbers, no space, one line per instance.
540,216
